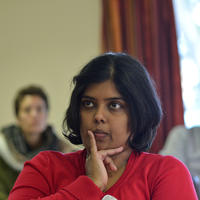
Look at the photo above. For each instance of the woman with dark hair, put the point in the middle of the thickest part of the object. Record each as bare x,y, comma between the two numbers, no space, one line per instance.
114,112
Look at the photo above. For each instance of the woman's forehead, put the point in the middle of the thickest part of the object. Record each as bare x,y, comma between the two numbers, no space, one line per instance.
105,88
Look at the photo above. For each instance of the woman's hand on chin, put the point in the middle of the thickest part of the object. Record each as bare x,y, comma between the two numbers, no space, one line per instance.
97,160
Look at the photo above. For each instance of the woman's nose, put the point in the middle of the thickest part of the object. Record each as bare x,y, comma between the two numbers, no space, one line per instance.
99,116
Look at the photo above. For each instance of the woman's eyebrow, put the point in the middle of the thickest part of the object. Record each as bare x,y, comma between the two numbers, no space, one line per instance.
114,99
107,99
87,97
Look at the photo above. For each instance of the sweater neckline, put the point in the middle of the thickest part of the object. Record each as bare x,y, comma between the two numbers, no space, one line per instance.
129,165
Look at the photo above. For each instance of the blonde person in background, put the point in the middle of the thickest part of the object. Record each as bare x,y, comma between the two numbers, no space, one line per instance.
31,134
184,144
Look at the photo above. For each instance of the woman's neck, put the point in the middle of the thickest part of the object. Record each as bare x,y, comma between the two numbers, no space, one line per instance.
120,160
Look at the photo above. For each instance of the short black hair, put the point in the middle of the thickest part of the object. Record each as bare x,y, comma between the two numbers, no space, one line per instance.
133,82
29,90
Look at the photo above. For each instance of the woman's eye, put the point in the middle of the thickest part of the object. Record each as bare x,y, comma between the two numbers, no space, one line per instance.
115,106
87,104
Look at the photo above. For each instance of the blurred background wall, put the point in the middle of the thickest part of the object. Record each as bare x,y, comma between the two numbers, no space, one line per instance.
45,42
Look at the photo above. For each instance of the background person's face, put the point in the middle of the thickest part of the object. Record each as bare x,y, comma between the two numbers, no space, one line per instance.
105,113
32,116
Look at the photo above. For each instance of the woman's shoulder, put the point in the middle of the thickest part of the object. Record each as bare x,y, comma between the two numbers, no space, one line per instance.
158,159
60,155
165,175
47,158
160,164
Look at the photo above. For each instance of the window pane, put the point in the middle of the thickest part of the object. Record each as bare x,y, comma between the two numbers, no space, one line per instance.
187,14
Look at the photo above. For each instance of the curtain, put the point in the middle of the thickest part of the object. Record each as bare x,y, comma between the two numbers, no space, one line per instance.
146,30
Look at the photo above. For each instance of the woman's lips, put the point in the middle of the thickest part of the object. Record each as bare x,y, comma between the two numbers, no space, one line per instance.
99,134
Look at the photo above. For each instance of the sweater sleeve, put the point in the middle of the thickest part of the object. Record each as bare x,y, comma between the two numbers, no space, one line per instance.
173,181
36,182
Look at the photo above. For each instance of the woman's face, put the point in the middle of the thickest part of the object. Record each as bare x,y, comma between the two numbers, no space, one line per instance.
32,116
105,113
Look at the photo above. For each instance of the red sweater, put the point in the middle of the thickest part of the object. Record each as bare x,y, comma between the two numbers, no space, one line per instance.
56,176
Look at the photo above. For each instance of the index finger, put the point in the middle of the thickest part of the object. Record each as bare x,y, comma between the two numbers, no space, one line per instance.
93,145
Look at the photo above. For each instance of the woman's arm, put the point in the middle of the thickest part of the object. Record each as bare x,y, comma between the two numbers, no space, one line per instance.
37,181
82,188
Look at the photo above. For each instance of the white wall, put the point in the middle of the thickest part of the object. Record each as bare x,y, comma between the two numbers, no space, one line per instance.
45,42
